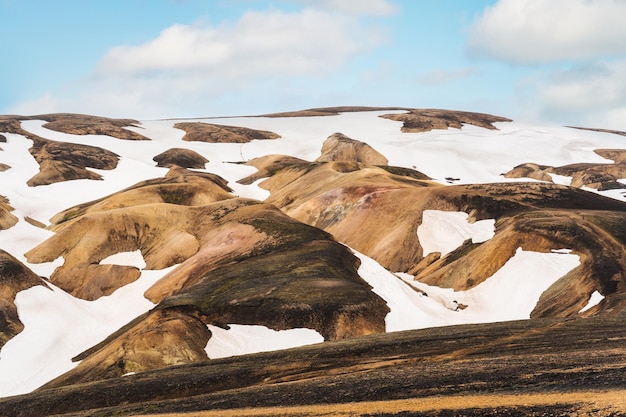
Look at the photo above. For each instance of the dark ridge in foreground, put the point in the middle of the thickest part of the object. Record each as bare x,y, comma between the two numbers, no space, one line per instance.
495,361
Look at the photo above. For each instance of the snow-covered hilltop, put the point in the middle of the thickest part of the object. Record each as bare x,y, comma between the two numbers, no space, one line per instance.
134,245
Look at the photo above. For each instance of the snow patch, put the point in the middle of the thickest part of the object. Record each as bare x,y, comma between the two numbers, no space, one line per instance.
560,179
512,292
244,339
134,258
58,326
444,231
594,300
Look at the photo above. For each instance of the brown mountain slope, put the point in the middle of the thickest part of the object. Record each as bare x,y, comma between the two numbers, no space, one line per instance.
14,277
386,206
532,367
277,272
241,261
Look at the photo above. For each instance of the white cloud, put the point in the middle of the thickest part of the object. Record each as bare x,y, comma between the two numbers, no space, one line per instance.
363,7
226,69
540,31
589,94
260,43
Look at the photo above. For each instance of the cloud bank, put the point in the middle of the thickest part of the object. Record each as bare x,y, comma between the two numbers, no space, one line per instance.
541,31
262,55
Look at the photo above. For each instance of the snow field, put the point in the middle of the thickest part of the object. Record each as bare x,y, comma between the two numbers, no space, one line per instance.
59,326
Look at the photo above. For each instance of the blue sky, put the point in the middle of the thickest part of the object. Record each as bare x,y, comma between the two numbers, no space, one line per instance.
556,61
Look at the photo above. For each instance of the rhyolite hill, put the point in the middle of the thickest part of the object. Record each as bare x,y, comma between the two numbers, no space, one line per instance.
128,247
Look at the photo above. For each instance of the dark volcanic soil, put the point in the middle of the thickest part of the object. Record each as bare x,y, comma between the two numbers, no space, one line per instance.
532,367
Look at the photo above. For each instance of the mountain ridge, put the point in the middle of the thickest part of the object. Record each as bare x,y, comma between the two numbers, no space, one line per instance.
326,237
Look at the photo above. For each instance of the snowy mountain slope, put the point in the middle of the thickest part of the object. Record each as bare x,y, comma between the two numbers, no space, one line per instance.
471,155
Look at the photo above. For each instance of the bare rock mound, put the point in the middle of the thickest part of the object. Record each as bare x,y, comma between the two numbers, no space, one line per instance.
61,161
248,264
7,220
424,120
598,176
339,147
206,132
81,124
185,158
153,216
386,208
14,277
179,186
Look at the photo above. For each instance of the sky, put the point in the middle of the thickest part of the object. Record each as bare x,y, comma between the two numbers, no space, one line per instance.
551,61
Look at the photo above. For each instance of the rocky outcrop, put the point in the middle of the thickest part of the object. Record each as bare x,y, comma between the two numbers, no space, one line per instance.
62,161
240,262
414,120
7,220
185,158
386,207
598,176
206,132
14,277
156,217
339,147
161,339
424,120
179,186
82,124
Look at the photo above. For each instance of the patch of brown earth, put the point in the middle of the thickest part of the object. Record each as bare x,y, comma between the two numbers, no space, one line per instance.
82,124
424,120
14,277
185,158
7,220
205,132
598,176
62,161
339,147
581,404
